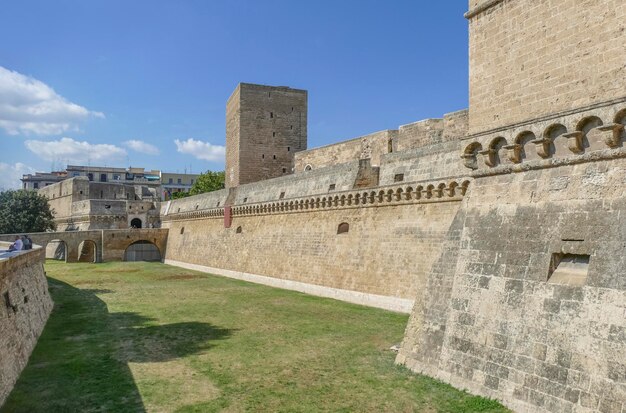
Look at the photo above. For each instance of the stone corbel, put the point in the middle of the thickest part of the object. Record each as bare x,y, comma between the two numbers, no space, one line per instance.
489,156
612,139
575,141
514,152
469,160
542,146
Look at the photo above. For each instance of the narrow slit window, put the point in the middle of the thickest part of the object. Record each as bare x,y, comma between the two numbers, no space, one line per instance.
282,195
273,134
398,178
271,115
331,187
343,228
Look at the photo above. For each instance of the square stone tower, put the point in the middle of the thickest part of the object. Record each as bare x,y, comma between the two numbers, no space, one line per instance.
265,127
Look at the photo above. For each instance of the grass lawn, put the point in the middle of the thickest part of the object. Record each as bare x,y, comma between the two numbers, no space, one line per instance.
134,337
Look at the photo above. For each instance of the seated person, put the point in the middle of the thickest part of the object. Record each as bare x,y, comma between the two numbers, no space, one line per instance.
27,243
17,245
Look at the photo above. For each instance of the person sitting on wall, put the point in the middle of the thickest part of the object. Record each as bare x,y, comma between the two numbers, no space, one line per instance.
17,245
27,242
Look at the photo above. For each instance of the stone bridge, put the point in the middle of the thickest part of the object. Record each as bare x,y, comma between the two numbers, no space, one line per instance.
99,245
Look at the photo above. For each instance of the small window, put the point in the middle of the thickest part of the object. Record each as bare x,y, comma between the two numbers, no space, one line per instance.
271,114
196,207
179,181
398,177
245,200
290,126
292,108
308,168
269,94
273,134
101,194
107,206
569,269
103,177
218,203
343,228
90,177
274,156
36,185
284,170
390,146
182,230
288,149
263,156
178,210
282,195
171,180
331,187
80,192
192,182
239,230
130,207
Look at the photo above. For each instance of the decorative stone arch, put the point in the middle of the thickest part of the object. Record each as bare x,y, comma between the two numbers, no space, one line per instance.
496,154
399,194
308,167
408,193
429,191
142,250
588,136
524,148
464,187
452,188
419,191
470,154
554,142
440,189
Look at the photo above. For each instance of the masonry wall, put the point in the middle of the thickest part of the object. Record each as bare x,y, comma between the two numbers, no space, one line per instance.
531,58
491,320
24,310
387,250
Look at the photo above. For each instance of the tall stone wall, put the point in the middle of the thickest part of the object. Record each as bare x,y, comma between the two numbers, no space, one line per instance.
378,244
530,58
527,301
24,309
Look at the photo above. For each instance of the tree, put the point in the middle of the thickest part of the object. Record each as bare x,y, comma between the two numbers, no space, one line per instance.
208,182
24,211
178,195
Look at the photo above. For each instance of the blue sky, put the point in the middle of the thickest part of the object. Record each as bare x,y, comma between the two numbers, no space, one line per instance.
119,82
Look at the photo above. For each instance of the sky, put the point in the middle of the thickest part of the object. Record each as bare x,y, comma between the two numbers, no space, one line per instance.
144,83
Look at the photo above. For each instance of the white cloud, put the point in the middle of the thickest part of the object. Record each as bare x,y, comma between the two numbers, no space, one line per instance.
10,175
142,147
29,106
71,151
201,150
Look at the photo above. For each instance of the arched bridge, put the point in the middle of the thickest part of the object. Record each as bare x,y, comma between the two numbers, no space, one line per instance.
101,245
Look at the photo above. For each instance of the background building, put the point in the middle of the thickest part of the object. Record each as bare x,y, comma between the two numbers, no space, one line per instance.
176,182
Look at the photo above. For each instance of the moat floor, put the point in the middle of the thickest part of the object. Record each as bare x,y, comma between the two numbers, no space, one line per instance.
149,337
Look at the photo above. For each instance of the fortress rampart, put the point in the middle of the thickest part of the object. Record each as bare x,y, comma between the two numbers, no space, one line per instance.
24,310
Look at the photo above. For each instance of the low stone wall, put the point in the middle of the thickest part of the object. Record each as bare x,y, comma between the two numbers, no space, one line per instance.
25,305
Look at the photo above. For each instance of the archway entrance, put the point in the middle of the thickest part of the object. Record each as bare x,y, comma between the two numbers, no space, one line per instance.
87,251
142,251
135,223
56,250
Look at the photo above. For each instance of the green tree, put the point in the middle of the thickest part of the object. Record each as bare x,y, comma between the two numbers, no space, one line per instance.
178,195
208,182
24,211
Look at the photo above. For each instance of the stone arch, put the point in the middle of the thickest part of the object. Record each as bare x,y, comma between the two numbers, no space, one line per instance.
399,194
350,199
591,138
554,141
389,195
372,197
470,155
429,191
239,230
87,251
464,187
56,249
381,196
440,189
497,152
135,223
418,192
524,148
142,250
408,193
452,188
342,200
308,168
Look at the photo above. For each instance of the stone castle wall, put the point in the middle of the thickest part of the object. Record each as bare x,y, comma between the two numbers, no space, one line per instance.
530,58
24,310
393,235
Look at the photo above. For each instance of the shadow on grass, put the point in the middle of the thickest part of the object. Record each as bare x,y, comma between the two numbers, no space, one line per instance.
81,360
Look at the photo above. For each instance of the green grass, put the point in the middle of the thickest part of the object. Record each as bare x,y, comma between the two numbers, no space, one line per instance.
133,337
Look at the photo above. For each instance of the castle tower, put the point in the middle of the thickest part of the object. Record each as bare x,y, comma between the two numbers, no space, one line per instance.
265,127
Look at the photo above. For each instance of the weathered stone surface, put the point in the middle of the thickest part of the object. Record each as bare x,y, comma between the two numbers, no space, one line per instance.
24,309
